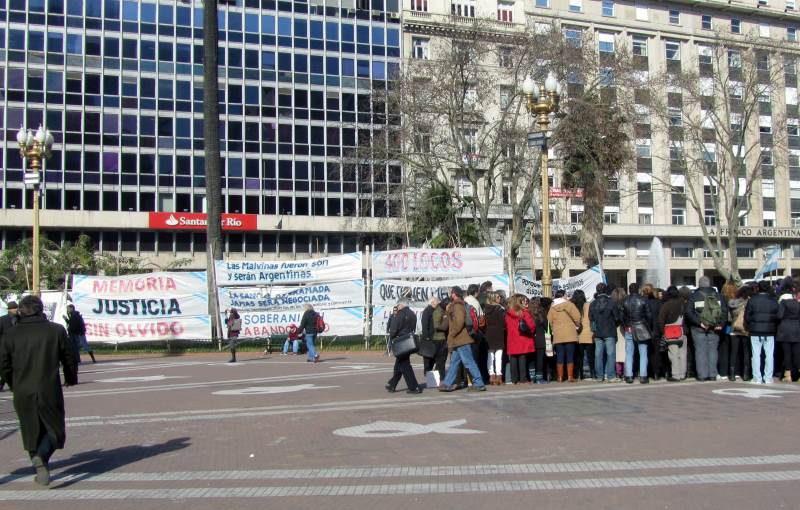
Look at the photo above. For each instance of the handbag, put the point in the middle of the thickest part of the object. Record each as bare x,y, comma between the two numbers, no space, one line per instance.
403,345
427,348
640,331
673,333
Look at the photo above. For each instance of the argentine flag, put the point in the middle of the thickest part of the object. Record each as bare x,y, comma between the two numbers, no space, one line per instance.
773,253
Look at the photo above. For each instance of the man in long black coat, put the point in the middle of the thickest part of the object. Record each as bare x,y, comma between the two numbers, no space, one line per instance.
7,322
29,357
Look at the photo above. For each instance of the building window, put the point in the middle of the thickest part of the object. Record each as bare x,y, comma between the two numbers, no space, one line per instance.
641,12
574,36
673,50
575,251
674,17
709,217
606,42
421,48
576,216
640,45
763,30
464,8
542,3
678,216
505,12
791,34
736,26
790,5
419,5
575,5
705,22
608,8
766,156
643,148
611,217
506,194
505,58
682,252
704,54
645,218
745,252
675,118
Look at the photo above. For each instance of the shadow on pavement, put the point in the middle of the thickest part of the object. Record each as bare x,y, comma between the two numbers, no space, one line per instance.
102,461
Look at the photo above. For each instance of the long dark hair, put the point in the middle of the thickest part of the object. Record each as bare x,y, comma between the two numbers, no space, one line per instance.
579,299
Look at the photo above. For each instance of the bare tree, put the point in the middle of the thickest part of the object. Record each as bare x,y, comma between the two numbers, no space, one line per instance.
718,116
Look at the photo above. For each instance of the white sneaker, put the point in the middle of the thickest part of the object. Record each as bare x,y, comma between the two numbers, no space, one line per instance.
755,381
769,381
720,378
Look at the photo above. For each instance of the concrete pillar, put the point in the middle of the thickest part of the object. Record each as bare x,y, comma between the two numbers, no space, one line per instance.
631,276
698,274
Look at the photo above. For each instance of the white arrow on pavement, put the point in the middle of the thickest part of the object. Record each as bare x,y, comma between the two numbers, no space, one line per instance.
145,378
380,429
271,390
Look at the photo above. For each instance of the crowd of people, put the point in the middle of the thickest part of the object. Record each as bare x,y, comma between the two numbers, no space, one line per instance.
618,335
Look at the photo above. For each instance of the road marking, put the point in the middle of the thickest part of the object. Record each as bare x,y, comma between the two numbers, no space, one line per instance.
402,489
351,367
271,390
145,378
339,473
327,407
754,392
380,429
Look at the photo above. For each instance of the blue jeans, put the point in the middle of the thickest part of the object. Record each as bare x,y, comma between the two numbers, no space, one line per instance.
608,346
565,353
312,352
767,343
295,346
629,347
463,355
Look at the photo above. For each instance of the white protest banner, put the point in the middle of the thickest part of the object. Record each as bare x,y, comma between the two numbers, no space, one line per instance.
586,281
380,317
432,263
154,305
112,330
340,321
387,292
322,296
258,273
141,285
55,305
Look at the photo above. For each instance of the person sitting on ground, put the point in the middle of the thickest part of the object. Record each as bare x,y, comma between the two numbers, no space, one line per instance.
291,338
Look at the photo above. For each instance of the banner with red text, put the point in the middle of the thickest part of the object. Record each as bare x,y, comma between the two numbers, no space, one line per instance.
338,322
432,263
141,285
113,330
199,221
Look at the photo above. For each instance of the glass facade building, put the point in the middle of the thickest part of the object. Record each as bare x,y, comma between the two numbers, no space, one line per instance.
120,85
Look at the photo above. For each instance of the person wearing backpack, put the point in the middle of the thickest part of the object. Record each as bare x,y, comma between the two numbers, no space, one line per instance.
234,323
670,328
459,343
761,321
604,319
706,315
309,326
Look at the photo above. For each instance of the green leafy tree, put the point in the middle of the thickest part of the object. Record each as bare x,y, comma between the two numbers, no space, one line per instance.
435,220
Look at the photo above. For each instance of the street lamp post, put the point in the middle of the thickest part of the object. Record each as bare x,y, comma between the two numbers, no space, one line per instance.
542,100
35,147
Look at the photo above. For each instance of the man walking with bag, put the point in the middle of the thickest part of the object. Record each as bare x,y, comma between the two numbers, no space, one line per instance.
404,323
30,354
706,314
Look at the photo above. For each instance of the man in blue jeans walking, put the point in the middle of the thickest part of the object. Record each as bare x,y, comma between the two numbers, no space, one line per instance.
761,320
460,343
605,317
636,315
308,326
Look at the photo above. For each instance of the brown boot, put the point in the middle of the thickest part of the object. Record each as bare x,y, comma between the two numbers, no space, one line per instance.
571,372
559,372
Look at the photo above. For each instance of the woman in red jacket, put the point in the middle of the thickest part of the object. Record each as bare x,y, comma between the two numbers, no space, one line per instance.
519,337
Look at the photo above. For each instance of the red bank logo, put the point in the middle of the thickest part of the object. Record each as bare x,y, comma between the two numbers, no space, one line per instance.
198,221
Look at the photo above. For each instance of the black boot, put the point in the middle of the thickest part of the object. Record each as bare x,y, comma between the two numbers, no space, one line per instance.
233,356
91,355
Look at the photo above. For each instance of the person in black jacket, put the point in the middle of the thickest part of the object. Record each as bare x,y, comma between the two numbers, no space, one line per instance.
789,331
654,355
705,327
308,327
30,355
7,322
76,329
636,316
538,308
403,323
605,317
761,320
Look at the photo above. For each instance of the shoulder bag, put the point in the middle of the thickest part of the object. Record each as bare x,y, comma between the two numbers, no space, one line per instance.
403,345
640,331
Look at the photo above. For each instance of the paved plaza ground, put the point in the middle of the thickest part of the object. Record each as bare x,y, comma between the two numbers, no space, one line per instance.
196,432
